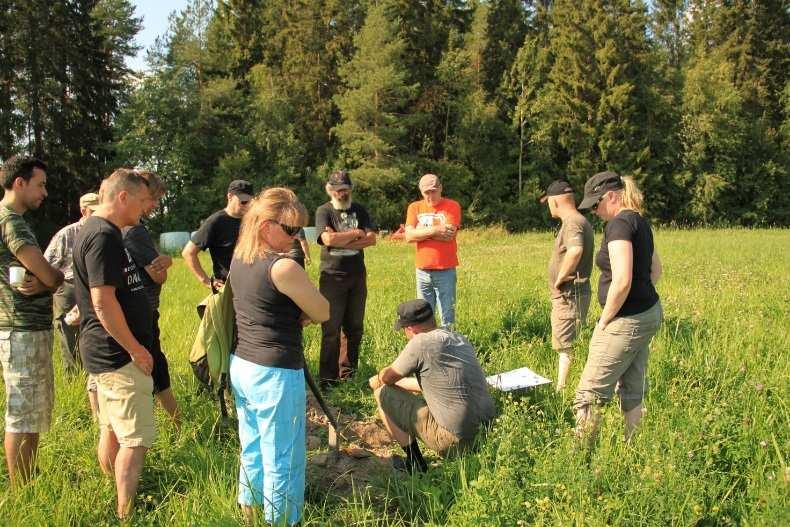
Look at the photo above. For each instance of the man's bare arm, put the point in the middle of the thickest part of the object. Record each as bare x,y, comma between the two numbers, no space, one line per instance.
111,316
568,266
341,240
366,241
50,278
190,254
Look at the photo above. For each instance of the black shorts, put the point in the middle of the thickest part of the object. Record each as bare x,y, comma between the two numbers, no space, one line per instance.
161,371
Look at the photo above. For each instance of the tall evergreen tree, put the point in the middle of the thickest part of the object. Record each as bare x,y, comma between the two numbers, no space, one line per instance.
733,112
595,110
373,127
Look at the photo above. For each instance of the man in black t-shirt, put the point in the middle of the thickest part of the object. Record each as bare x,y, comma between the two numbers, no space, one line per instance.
344,229
153,270
116,332
218,233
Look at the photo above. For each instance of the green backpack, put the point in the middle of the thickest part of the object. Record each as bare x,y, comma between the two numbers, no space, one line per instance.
215,339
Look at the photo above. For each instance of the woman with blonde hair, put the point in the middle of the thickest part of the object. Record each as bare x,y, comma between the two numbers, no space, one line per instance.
631,315
273,298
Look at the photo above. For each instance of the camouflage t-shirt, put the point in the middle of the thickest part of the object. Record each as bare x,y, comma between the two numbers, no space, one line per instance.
17,311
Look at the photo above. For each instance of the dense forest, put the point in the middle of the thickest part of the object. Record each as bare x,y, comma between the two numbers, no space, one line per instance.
497,97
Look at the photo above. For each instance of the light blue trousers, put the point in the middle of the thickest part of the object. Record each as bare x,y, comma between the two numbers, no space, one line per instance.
433,285
271,406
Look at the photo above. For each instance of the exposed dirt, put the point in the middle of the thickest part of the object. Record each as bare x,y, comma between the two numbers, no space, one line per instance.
364,454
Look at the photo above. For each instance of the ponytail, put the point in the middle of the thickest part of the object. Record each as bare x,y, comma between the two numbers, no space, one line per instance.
631,195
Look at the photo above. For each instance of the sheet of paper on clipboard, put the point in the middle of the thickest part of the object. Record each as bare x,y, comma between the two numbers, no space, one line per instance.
516,379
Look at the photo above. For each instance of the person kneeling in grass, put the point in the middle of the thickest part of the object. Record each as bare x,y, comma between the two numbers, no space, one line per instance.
455,401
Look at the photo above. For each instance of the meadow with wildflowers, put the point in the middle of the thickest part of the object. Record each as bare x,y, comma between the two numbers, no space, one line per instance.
712,449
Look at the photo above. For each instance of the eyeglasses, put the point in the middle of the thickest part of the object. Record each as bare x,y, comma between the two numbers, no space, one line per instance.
600,199
290,230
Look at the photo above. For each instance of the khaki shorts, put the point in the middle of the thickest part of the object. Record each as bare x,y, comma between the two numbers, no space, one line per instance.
126,405
410,413
26,358
568,313
618,358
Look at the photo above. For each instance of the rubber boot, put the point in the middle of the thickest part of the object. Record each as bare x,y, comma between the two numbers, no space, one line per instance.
632,418
588,420
563,366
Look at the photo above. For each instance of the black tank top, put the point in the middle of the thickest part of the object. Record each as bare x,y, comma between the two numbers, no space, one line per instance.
267,321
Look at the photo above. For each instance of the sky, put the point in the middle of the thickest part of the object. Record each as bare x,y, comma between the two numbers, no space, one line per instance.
154,14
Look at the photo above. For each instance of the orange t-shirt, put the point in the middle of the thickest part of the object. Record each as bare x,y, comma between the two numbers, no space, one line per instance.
433,254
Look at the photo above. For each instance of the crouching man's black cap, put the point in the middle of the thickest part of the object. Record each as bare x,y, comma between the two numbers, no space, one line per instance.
412,313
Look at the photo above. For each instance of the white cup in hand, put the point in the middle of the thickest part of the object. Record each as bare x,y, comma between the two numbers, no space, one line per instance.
16,275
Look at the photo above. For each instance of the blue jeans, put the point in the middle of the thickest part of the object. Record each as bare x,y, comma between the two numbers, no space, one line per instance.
438,284
271,407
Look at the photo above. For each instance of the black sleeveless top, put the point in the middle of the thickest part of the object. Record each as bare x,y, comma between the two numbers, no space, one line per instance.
267,321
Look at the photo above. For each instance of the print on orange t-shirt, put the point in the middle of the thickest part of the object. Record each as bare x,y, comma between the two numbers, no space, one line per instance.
434,254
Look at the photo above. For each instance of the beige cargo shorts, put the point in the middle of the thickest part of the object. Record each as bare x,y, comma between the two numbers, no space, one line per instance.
126,405
26,358
410,413
568,313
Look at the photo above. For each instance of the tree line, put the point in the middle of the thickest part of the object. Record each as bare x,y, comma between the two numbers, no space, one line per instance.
497,97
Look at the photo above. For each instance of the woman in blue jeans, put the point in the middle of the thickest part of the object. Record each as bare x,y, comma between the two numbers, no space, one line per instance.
273,298
631,314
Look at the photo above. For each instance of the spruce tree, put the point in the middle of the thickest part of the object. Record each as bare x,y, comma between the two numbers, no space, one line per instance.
595,111
373,125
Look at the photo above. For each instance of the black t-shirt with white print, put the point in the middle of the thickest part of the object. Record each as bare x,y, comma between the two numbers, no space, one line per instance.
334,259
100,259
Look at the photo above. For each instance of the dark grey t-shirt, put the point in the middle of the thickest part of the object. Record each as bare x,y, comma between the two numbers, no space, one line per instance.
451,379
137,240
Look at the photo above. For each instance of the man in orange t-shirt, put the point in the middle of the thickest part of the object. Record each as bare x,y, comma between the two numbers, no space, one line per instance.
432,224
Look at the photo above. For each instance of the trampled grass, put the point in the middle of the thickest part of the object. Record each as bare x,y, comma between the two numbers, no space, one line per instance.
713,448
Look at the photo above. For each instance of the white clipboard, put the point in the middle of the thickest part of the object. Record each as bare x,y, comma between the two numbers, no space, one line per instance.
516,379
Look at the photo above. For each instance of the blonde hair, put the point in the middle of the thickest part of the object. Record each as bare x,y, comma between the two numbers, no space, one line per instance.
631,196
274,204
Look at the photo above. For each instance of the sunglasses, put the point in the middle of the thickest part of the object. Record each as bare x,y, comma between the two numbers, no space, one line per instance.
244,202
290,230
600,199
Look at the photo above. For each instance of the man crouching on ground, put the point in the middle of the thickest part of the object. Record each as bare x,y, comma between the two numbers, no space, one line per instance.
455,401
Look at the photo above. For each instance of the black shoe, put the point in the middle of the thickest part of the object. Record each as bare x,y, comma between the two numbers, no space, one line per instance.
327,384
401,464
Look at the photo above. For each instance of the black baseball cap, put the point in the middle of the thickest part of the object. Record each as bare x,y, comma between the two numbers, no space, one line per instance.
556,188
241,188
413,312
598,185
339,180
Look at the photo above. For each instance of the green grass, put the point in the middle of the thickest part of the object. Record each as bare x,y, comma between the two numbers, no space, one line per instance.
713,448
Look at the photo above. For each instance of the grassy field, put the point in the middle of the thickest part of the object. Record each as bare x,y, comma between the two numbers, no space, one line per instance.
713,448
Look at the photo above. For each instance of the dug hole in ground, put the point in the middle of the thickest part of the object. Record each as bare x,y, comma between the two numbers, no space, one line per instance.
364,454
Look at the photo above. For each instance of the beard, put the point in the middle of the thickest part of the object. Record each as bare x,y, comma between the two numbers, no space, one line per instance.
340,204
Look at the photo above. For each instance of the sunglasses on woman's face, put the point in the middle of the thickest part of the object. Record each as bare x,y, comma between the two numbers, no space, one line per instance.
595,207
290,230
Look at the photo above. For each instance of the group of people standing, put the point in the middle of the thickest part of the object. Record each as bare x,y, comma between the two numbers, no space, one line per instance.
106,275
631,311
